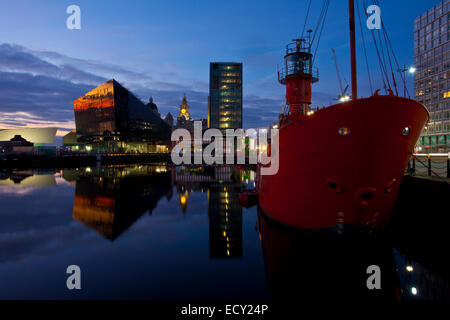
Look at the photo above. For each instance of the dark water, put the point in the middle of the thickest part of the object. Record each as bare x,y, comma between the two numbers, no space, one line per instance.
156,232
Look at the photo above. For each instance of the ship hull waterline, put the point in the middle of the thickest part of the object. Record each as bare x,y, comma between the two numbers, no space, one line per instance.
343,164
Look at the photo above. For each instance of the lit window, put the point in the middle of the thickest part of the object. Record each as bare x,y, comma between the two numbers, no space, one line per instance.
405,131
344,131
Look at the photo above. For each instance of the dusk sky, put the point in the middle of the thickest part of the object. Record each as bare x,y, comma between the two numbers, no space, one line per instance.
163,49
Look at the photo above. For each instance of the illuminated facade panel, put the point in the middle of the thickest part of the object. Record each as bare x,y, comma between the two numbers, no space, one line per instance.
225,95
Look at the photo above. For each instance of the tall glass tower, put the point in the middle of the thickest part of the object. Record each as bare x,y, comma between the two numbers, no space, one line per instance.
225,95
432,79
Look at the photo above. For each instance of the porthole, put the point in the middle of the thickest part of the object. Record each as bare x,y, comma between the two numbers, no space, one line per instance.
334,185
344,131
405,131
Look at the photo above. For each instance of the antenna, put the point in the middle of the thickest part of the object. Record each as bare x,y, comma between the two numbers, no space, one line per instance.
337,72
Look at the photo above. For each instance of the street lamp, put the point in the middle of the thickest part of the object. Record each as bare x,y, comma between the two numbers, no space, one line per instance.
410,70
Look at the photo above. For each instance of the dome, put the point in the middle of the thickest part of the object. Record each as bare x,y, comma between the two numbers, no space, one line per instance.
152,105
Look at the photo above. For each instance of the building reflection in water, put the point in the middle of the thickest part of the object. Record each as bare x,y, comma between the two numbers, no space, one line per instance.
223,184
225,221
27,178
110,199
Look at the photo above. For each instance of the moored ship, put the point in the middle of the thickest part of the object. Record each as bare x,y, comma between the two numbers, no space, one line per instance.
343,164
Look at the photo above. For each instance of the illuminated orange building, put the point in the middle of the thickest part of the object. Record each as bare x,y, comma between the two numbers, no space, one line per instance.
111,119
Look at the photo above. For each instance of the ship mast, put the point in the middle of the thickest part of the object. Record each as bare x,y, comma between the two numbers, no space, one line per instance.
351,8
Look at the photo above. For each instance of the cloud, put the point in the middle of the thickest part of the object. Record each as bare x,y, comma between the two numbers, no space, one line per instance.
11,120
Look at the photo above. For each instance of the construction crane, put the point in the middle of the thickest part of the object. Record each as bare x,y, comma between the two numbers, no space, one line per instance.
344,96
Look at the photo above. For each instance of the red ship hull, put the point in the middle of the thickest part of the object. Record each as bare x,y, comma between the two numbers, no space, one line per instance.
328,179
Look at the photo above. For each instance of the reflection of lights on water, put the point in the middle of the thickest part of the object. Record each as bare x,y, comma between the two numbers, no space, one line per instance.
409,268
228,252
414,290
183,200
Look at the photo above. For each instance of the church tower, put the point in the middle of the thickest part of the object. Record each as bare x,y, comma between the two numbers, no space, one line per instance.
184,109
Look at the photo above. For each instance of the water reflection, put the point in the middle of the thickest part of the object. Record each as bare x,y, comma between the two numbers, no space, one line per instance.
419,282
28,178
322,264
190,216
110,199
223,184
225,221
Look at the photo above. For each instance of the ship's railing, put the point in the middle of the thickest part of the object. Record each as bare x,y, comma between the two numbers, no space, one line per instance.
295,69
292,47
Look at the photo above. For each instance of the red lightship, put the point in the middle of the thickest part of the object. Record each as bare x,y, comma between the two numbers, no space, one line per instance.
340,165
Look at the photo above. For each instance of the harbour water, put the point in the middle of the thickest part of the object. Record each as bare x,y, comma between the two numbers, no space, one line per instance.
163,232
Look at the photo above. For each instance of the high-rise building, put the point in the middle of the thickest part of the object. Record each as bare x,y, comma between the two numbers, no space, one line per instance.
432,77
225,95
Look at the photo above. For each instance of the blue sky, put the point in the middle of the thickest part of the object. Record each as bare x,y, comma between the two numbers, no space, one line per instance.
163,49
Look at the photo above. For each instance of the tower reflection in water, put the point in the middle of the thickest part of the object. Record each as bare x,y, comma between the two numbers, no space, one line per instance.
225,215
110,199
222,184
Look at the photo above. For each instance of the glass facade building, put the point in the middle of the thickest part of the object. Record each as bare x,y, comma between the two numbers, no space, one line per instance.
225,95
112,119
432,77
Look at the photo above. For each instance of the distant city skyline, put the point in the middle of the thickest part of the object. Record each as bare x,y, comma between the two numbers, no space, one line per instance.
164,49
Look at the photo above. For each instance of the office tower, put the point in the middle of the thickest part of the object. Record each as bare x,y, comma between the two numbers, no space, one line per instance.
432,78
225,95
